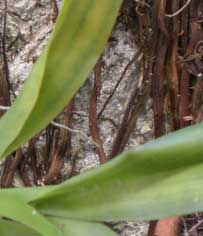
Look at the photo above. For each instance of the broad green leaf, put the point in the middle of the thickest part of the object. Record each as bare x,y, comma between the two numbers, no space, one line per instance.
27,194
11,228
159,179
16,209
82,228
76,43
66,227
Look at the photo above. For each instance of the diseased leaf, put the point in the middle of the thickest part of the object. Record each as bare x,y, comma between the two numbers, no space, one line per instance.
159,179
76,43
15,209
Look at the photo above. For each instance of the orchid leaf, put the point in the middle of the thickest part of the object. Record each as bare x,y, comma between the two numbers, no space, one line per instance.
156,180
70,227
12,228
77,41
15,209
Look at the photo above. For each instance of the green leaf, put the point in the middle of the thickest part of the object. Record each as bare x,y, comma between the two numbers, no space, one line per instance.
11,228
15,209
82,228
27,194
76,43
159,179
67,228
